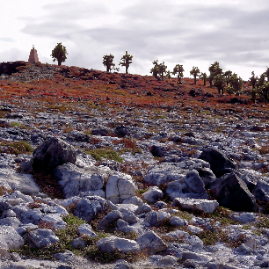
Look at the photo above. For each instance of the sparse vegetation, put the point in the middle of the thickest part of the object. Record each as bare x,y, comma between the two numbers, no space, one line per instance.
48,184
16,148
106,153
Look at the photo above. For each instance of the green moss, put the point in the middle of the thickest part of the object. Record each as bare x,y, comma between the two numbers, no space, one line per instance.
106,153
16,148
223,215
184,215
73,220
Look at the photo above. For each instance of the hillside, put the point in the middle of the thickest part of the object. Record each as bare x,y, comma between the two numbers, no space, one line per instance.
64,84
98,167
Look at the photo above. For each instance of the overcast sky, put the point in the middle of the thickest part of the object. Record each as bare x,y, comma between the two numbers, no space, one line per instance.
188,32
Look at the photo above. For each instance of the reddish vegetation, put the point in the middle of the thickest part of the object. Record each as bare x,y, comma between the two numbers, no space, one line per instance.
72,84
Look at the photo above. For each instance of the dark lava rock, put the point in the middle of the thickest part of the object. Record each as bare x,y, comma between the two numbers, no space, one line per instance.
122,131
157,151
219,163
102,132
232,192
51,153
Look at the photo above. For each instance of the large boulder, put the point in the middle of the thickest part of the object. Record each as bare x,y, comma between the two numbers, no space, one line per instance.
219,163
120,187
89,207
75,181
232,192
191,186
51,153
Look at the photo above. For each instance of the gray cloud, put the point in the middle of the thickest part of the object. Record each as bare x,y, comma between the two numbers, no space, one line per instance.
149,30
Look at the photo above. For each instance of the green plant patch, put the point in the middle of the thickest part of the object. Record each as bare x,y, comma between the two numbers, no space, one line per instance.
223,215
19,147
263,223
73,220
106,153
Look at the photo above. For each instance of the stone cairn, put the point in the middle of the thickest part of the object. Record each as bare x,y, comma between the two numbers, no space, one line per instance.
33,57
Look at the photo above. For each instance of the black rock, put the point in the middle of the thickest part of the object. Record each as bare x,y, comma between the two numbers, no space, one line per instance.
102,132
157,151
232,192
51,153
122,131
219,163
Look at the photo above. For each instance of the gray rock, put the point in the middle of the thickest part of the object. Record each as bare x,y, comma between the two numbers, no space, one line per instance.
188,255
8,214
207,175
78,243
42,238
194,229
144,208
177,221
112,243
75,181
122,264
26,167
51,153
153,194
167,261
120,187
13,222
155,218
261,191
31,216
151,242
163,173
133,200
207,206
88,208
9,238
244,217
17,181
123,226
86,230
191,186
128,216
160,204
4,206
110,218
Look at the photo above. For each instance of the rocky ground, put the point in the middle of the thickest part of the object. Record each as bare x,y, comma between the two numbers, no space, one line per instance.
95,186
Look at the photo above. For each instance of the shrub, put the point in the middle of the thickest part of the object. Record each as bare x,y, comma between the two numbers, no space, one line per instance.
49,185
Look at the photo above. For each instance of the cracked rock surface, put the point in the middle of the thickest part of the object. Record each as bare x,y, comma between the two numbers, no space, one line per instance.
134,190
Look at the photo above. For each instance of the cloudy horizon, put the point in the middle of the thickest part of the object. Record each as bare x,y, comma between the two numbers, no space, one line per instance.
192,33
